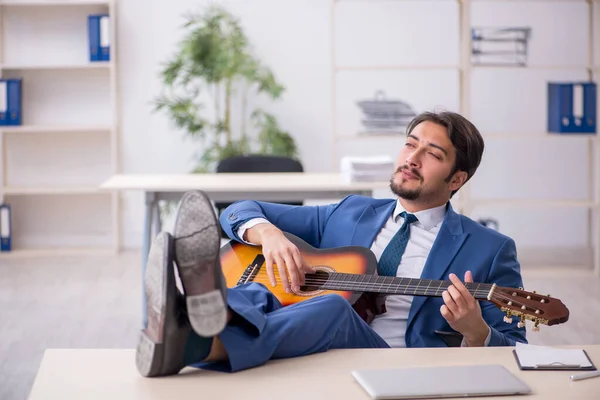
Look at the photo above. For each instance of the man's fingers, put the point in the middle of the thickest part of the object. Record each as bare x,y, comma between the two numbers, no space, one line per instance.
449,302
461,287
468,276
295,277
446,313
457,297
283,273
305,266
300,265
270,271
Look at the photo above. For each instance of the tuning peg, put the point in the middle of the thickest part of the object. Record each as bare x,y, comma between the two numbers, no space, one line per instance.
536,328
508,318
521,322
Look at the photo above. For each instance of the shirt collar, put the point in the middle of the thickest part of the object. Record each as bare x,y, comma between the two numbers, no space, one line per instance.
427,218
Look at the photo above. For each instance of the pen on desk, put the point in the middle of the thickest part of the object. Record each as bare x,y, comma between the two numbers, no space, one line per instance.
585,375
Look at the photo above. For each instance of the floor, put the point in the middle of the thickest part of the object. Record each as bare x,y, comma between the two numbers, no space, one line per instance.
93,301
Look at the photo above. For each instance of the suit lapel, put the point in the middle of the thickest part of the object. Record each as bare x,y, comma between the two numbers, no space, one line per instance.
447,244
369,224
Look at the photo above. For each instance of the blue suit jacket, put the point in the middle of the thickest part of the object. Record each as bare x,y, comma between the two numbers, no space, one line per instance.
462,244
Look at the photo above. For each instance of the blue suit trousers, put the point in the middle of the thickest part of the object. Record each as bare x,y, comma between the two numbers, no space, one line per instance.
262,329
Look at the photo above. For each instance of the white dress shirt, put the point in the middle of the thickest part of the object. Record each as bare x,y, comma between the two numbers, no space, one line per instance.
391,325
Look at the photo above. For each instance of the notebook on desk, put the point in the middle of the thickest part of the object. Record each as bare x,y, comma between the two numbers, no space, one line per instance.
531,357
440,382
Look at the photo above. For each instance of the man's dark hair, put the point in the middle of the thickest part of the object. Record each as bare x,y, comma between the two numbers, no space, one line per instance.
465,138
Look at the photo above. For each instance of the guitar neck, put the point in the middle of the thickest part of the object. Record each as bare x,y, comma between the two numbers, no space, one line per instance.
392,285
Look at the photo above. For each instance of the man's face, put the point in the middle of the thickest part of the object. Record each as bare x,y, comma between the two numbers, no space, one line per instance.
424,165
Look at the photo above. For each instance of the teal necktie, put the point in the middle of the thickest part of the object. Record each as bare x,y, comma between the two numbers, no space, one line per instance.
390,259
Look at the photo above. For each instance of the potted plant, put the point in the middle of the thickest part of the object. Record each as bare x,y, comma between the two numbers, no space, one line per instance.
212,76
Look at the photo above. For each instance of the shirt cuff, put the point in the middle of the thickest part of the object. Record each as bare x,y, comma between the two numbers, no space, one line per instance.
485,343
247,225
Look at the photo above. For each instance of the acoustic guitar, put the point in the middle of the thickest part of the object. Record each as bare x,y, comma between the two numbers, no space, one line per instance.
350,271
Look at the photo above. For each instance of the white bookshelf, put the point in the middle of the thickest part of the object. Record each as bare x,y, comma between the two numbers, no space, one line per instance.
403,69
51,166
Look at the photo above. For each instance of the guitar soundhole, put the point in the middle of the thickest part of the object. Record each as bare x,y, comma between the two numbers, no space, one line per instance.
313,282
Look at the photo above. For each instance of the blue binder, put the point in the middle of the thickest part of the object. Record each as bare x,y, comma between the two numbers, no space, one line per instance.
10,102
5,228
99,37
572,107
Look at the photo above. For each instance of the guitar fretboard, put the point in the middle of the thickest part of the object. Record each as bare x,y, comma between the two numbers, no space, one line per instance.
391,285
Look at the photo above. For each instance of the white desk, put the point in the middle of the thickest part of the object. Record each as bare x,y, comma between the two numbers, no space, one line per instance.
228,187
111,374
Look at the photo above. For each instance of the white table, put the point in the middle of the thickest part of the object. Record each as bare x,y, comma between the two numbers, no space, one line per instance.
229,187
111,374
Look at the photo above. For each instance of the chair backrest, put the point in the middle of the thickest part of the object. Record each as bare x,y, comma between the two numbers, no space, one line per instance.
259,163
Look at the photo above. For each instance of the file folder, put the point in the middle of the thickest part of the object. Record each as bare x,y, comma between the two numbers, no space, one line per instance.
10,102
5,228
99,37
572,107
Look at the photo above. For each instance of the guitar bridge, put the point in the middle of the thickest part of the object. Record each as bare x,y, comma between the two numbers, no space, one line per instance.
251,270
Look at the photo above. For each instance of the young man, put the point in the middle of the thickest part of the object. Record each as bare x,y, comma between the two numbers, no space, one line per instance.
417,235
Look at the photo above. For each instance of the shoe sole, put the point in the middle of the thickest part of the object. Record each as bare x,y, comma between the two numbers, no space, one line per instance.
197,256
152,353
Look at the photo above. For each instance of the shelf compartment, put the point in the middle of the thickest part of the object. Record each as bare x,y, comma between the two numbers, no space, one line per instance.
49,190
549,44
528,203
65,97
532,227
58,160
45,252
54,129
54,3
394,39
43,67
387,86
74,221
41,35
548,177
528,93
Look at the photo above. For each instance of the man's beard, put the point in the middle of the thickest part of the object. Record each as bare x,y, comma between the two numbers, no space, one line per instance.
406,194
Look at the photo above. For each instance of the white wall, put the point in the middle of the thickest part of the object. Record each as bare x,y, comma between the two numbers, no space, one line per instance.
292,37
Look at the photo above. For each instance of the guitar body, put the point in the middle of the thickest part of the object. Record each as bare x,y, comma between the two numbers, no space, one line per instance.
242,263
350,271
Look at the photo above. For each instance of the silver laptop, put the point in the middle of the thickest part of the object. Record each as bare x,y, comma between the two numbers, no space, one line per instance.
440,382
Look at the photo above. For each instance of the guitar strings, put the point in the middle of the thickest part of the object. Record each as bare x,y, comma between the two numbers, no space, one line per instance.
261,278
358,285
328,279
418,291
323,280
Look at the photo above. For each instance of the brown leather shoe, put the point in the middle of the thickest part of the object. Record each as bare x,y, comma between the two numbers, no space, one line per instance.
161,345
197,238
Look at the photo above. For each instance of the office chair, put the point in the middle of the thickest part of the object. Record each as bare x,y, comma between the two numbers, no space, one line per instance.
257,163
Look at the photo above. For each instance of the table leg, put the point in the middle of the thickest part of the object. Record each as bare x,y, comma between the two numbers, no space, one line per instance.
151,204
156,219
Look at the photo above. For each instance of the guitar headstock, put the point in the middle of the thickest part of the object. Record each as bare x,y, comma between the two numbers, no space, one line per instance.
541,309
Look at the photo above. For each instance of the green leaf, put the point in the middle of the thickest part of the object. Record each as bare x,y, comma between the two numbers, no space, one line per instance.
214,52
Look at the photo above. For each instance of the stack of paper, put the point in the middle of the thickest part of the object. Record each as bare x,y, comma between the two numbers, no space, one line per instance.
531,356
367,169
